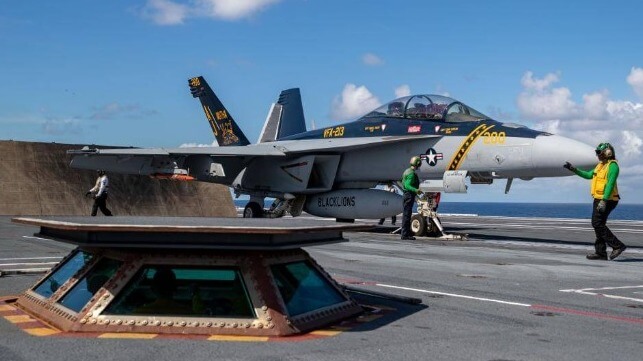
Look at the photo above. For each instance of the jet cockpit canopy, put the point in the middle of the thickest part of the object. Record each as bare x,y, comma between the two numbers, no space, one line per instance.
430,107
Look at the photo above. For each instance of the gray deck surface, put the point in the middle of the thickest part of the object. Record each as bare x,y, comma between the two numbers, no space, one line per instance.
519,289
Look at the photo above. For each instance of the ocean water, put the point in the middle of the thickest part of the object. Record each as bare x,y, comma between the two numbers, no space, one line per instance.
546,210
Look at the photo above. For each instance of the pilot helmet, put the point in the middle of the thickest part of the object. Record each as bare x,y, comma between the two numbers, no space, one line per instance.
416,161
606,150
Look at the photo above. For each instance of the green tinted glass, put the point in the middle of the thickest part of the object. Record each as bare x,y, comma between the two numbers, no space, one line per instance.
49,285
303,289
86,287
184,291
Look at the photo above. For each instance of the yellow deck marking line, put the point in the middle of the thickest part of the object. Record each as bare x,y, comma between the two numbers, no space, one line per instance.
19,318
6,308
40,331
238,338
146,336
326,332
465,146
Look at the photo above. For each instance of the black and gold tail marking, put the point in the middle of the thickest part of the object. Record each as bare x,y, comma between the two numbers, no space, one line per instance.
466,144
224,128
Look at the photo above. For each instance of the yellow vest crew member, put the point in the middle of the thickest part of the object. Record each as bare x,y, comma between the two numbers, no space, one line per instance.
605,193
410,186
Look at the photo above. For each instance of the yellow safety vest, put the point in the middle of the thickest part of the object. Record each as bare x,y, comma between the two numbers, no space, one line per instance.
599,181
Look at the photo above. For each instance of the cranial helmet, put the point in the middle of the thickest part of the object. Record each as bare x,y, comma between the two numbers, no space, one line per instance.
606,149
100,172
416,161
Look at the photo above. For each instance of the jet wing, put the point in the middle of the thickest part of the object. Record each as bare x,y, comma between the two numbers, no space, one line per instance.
343,144
271,149
223,163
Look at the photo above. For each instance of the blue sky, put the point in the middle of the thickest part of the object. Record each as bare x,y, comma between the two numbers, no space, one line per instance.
115,72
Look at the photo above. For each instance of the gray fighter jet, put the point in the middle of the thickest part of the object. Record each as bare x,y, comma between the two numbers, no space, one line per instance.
333,172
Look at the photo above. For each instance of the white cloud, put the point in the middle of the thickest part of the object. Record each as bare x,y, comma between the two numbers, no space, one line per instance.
168,12
528,81
635,79
595,104
594,120
402,91
60,127
353,102
372,59
631,143
233,9
165,12
539,101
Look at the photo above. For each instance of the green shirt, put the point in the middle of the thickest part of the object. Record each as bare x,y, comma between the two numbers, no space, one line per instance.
410,180
612,174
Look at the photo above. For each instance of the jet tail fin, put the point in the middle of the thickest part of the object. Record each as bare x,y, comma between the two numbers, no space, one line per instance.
225,129
285,118
292,113
271,125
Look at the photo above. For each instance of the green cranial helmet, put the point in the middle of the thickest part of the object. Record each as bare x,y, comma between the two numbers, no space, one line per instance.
416,161
605,149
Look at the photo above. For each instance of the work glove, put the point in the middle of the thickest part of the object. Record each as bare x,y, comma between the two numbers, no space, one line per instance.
600,207
87,194
569,166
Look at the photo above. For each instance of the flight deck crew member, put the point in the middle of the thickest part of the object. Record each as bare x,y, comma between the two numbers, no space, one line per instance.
99,193
410,186
605,193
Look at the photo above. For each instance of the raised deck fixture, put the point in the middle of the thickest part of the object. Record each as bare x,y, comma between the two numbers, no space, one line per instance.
216,276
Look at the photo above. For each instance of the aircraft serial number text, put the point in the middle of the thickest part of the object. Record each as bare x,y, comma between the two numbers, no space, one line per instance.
334,132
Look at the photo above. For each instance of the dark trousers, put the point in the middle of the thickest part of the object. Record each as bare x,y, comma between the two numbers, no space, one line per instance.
407,212
101,202
603,234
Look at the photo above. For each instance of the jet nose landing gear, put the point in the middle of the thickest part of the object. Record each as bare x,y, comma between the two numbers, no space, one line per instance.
426,221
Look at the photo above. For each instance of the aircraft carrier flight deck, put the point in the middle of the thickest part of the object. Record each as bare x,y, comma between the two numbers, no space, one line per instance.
517,289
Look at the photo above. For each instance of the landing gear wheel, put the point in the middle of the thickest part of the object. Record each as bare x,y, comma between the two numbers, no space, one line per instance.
253,210
418,225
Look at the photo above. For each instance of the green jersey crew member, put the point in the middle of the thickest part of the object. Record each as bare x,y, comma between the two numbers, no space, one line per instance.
605,193
410,186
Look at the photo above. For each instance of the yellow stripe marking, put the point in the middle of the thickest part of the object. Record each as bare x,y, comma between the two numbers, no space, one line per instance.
19,318
326,333
238,338
466,144
7,308
146,336
41,331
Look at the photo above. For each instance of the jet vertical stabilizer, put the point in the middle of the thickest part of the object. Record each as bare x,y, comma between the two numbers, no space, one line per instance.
292,114
225,130
271,125
285,118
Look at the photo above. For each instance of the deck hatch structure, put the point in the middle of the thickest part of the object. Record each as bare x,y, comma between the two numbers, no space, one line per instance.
209,276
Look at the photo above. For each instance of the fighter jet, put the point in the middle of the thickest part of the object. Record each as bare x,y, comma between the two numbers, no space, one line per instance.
333,172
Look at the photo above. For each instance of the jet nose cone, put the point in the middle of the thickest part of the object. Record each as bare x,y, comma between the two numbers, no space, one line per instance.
550,153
